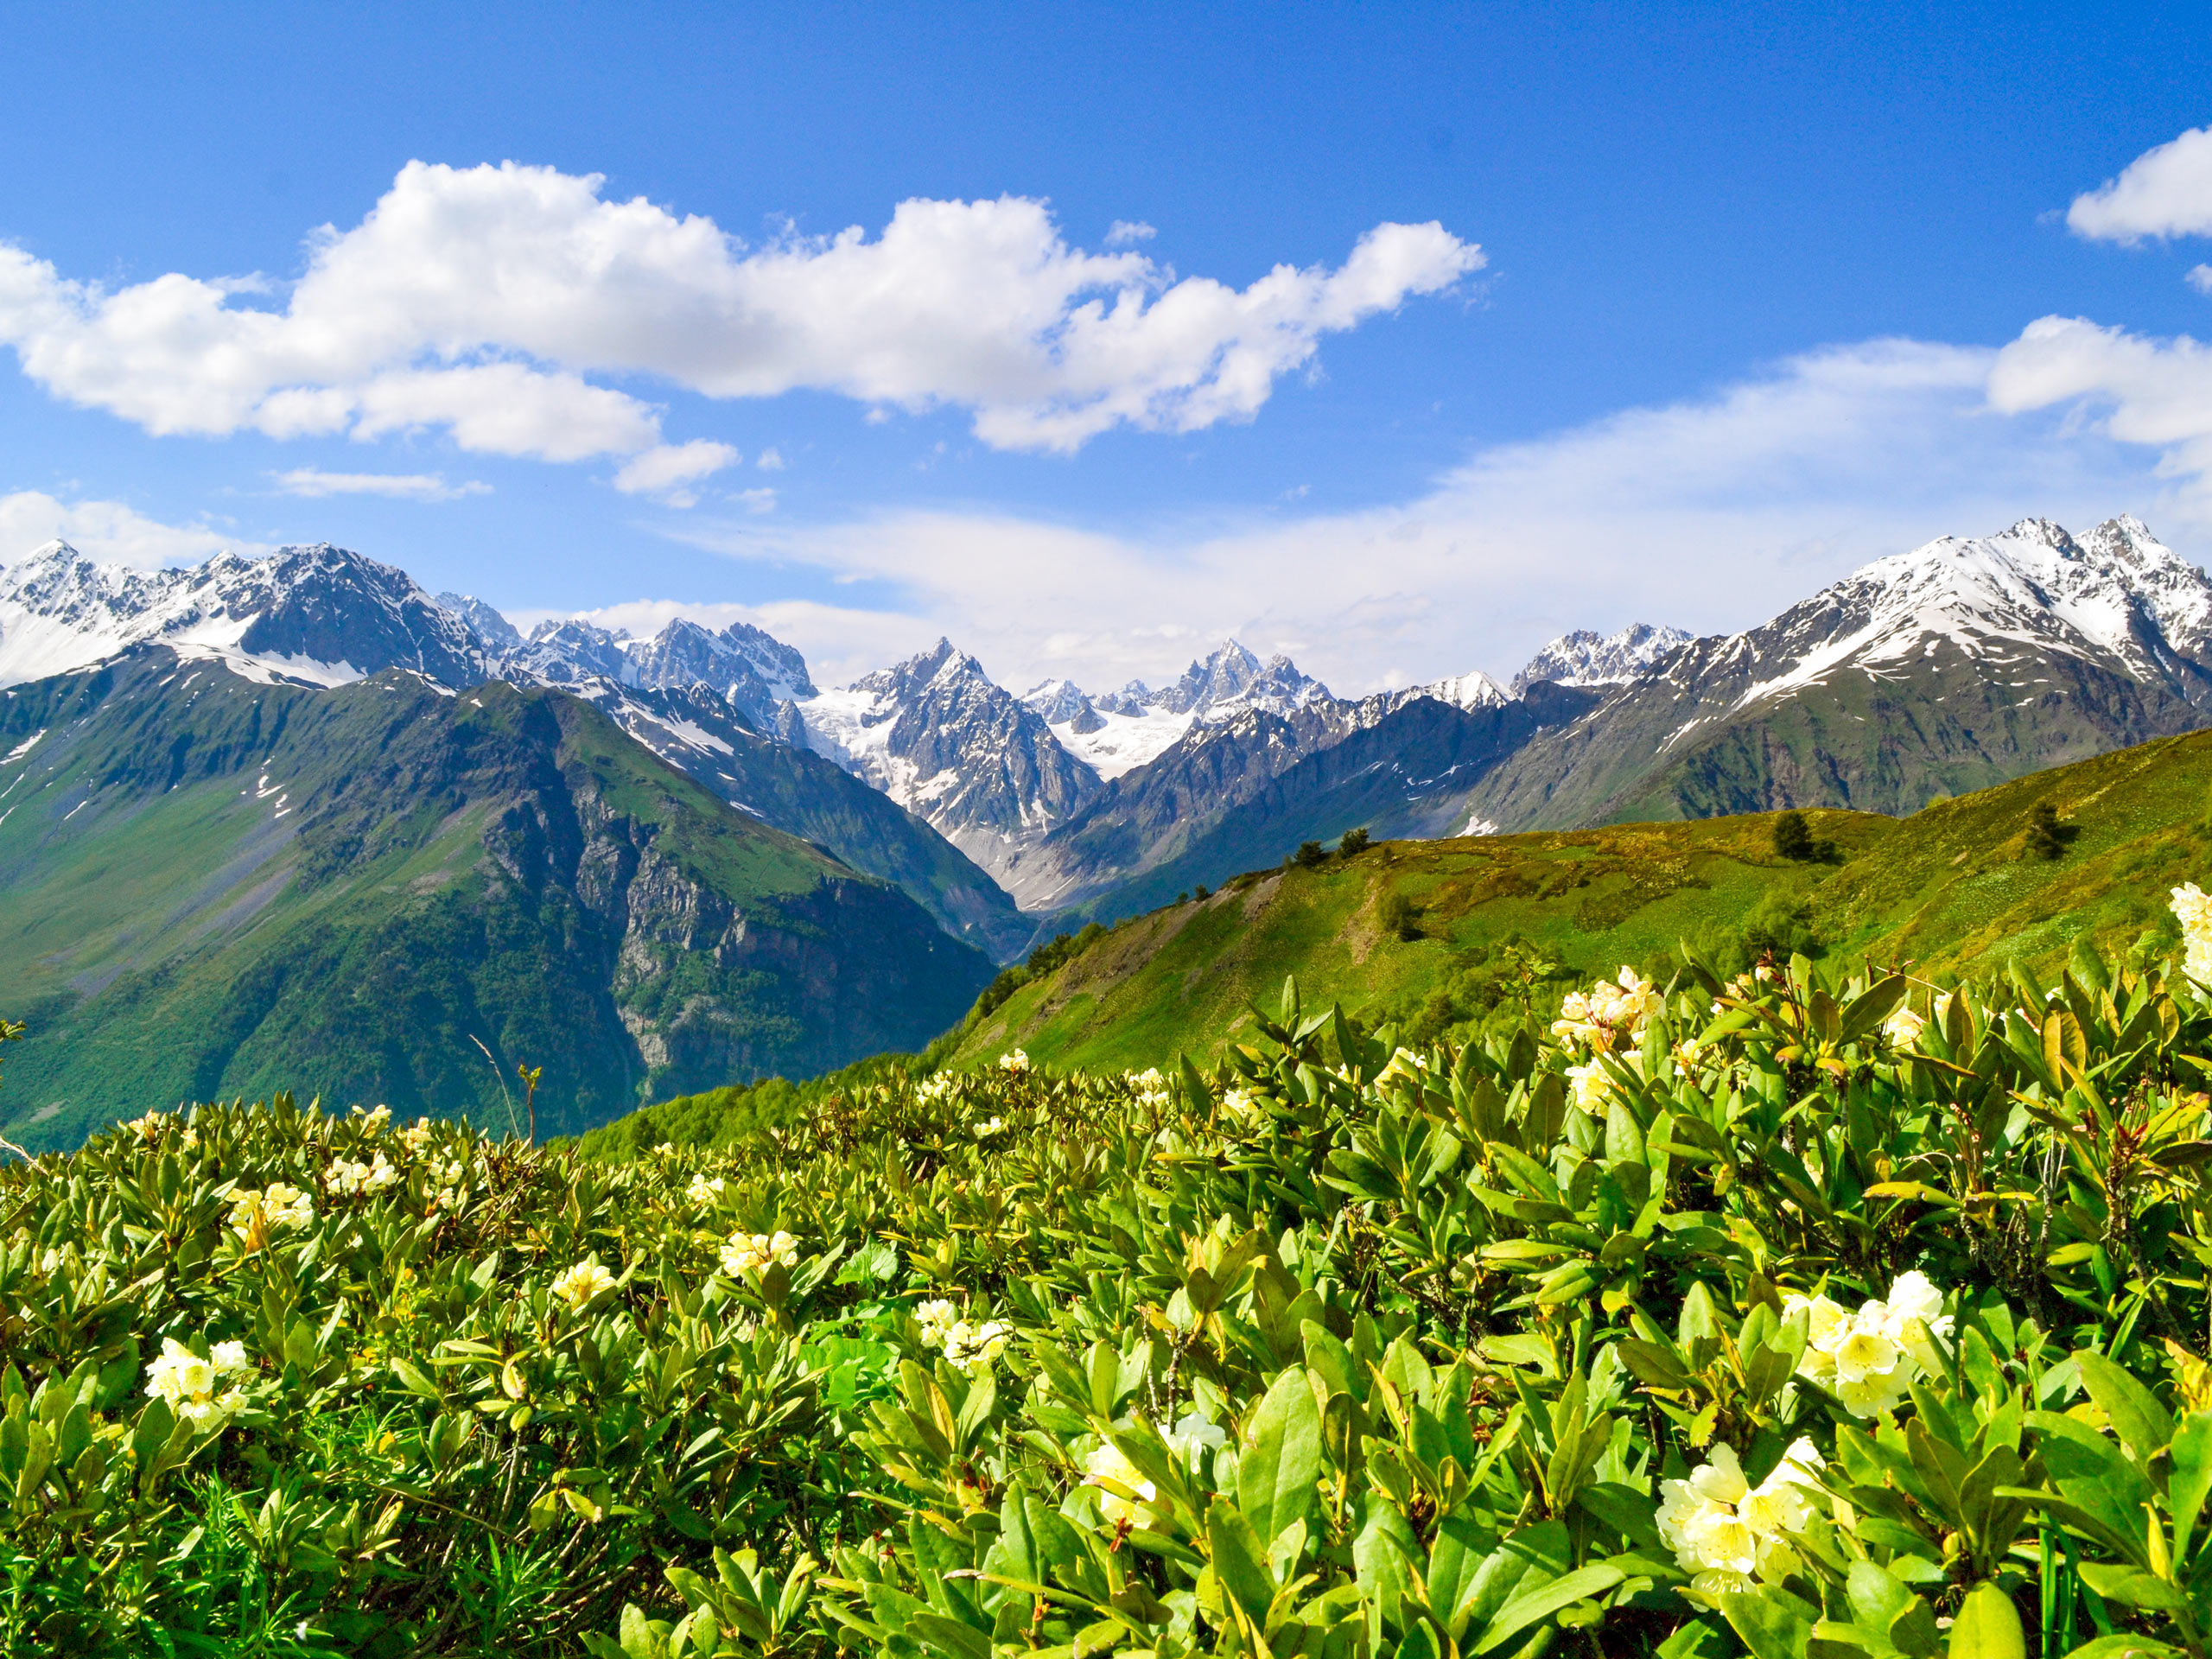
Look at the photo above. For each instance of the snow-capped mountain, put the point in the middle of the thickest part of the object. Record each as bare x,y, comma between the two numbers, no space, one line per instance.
938,736
1584,657
1960,664
1125,729
491,626
316,615
753,671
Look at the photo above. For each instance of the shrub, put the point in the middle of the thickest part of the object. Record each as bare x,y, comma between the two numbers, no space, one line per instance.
1401,917
1309,855
1660,1318
1793,837
1352,843
2046,836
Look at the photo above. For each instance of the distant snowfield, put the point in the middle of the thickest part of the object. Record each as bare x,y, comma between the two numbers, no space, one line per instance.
1125,741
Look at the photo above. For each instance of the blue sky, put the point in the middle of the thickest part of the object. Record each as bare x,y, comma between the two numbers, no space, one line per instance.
1750,307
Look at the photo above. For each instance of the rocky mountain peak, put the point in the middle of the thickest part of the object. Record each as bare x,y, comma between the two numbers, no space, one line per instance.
1587,658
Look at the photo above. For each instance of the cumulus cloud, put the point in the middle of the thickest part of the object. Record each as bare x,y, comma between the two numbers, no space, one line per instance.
1122,232
314,483
477,300
668,470
2156,392
1712,513
2165,192
108,531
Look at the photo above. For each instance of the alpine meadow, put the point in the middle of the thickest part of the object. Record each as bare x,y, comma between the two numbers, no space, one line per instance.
1049,834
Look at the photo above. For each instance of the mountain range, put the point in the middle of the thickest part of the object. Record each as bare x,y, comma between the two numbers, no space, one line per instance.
1000,816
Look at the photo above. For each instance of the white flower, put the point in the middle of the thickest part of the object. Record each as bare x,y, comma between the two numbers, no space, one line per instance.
1121,1487
347,1178
2192,908
936,1317
756,1253
936,1087
1588,1086
375,1120
985,1131
1904,1026
1592,1019
187,1384
1151,1089
1193,1438
1716,1522
1870,1359
972,1348
417,1134
257,1213
578,1285
704,1190
1241,1104
1013,1060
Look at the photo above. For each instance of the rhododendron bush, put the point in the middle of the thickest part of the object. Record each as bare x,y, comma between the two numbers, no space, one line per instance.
1801,1314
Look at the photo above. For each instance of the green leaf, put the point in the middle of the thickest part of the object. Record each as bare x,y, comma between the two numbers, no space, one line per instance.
1987,1626
1544,1601
948,1635
1773,1623
1239,1559
2139,1420
1278,1469
2191,1480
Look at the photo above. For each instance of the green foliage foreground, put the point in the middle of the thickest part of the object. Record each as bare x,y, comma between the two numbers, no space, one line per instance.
1804,1317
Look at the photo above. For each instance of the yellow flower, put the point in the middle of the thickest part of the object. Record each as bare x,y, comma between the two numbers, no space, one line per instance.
1122,1489
581,1283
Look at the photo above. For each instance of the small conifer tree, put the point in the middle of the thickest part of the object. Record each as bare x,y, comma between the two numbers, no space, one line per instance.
1354,842
2047,837
1793,837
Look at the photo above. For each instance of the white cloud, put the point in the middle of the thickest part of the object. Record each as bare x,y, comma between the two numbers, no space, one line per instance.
2154,392
108,531
1122,232
2199,277
757,501
666,470
476,300
2165,192
314,483
770,459
1712,513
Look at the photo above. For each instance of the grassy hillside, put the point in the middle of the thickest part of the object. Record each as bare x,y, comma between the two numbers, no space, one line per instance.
215,888
1505,920
1512,912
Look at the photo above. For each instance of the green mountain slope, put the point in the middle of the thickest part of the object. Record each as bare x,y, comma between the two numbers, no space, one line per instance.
210,887
1515,918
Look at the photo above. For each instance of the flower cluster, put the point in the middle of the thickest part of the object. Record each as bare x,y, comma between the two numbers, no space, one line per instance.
1013,1060
934,1087
2192,908
1718,1521
1405,1066
257,1212
416,1134
1122,1489
1151,1089
1592,1019
1587,1086
755,1253
579,1284
968,1347
705,1189
1904,1026
350,1176
990,1127
376,1120
1869,1359
187,1384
